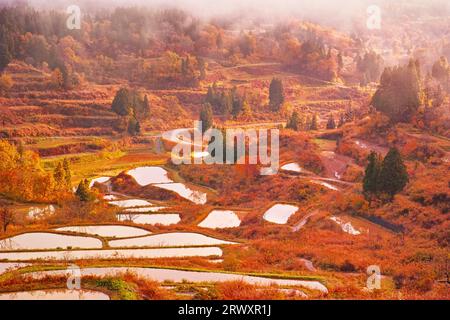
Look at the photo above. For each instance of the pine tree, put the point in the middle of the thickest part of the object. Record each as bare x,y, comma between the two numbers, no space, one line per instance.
331,124
341,120
206,117
308,123
294,122
5,56
67,76
210,96
227,104
146,106
134,128
83,193
370,181
201,67
67,173
340,61
399,95
121,102
393,175
276,94
314,122
58,175
137,128
238,102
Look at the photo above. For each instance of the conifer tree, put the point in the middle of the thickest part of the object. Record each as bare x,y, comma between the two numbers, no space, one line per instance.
210,96
83,193
121,102
294,122
399,94
238,102
370,181
393,175
276,94
341,120
331,124
146,106
134,128
206,117
58,175
67,173
227,104
5,56
314,122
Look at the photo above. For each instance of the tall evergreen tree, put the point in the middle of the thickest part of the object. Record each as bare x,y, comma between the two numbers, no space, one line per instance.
210,96
134,127
206,117
146,106
58,175
276,94
121,102
5,48
393,175
314,122
83,193
370,181
294,122
341,120
331,124
399,94
238,102
67,173
227,103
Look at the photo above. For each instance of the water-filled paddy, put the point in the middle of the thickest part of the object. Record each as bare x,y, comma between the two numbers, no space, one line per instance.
108,231
174,239
112,254
46,240
144,209
152,219
197,197
280,213
149,175
217,219
294,167
130,203
55,294
162,275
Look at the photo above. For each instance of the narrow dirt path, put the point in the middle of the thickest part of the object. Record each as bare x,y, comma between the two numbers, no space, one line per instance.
303,221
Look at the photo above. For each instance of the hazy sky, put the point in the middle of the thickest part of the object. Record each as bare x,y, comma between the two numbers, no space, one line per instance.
331,11
208,7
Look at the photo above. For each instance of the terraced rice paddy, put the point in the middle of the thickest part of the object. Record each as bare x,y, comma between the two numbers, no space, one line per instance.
44,240
219,219
107,231
162,275
55,294
151,219
280,213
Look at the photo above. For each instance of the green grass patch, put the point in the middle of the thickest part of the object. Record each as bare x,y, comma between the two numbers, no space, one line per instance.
119,287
